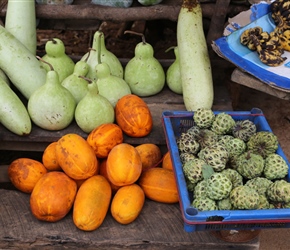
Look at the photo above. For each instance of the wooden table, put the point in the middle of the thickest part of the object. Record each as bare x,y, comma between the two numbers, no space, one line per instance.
240,77
165,100
159,226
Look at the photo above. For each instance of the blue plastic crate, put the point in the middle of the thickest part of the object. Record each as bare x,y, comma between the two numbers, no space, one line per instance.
176,122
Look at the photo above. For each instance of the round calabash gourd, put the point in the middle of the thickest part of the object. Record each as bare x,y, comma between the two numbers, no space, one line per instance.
104,137
124,165
92,203
150,155
76,157
49,159
103,172
173,78
24,173
127,203
133,116
51,106
57,57
53,196
159,185
99,48
93,110
75,83
111,87
144,73
167,162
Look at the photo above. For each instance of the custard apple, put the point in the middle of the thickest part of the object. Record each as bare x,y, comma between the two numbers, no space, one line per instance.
204,204
189,185
223,124
250,165
200,189
263,202
187,144
218,187
206,137
263,143
194,131
244,129
279,191
236,147
275,167
192,170
203,117
224,139
260,184
184,157
224,204
215,155
244,197
234,176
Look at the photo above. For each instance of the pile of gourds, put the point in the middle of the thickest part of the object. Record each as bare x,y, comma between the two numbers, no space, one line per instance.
58,90
94,176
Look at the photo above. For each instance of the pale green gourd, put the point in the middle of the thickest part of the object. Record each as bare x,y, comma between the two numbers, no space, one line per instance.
20,21
149,2
75,83
111,87
173,77
106,56
4,77
19,64
51,106
114,3
13,113
195,65
93,110
56,56
144,73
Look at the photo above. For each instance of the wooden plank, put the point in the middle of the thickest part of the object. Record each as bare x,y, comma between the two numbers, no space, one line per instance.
159,226
165,100
245,79
4,174
168,9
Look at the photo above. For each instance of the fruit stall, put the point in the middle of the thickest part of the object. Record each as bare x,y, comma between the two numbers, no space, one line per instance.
129,189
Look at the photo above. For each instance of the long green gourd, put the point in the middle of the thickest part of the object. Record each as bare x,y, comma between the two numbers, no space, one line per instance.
13,114
20,21
19,64
195,67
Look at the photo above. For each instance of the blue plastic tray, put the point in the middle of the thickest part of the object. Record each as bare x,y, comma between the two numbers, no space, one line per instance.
247,60
176,122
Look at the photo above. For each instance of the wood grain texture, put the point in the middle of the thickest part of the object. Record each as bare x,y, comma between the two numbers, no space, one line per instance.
84,10
159,226
165,100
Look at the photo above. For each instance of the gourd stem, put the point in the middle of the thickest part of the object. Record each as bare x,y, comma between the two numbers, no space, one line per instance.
136,33
88,54
86,78
99,49
50,66
170,48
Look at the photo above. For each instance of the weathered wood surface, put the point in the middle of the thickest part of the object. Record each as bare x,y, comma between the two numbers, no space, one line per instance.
165,100
83,9
245,79
159,226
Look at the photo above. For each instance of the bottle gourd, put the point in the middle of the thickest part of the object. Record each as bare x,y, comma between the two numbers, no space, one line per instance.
195,67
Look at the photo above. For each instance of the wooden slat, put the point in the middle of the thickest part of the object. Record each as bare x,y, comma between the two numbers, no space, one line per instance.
159,226
165,100
168,9
250,81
